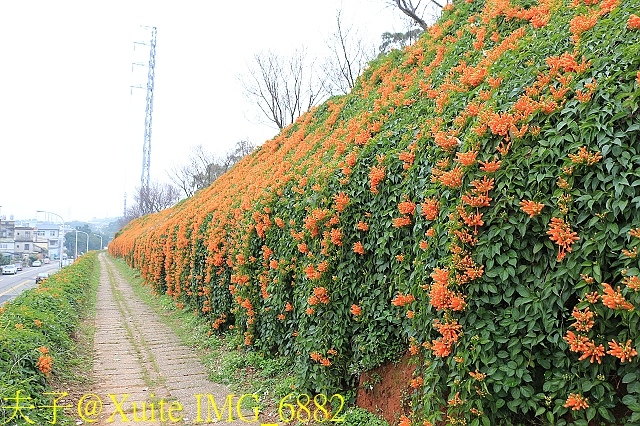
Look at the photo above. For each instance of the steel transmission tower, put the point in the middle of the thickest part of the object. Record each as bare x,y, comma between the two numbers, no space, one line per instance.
146,147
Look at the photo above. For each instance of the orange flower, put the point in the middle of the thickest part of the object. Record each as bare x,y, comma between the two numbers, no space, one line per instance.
358,248
585,157
595,353
614,299
580,24
45,363
356,310
402,300
478,375
430,208
424,245
531,207
584,319
417,382
363,226
489,166
341,201
316,356
401,221
632,282
325,362
440,348
577,343
336,236
411,314
322,294
452,178
466,158
623,351
634,22
288,307
560,233
376,174
407,207
575,401
404,421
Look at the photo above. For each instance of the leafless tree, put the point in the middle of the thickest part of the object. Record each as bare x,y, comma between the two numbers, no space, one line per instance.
349,56
196,173
282,88
202,167
153,199
415,10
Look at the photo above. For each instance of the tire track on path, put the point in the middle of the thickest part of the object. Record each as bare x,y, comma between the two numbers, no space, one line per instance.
143,373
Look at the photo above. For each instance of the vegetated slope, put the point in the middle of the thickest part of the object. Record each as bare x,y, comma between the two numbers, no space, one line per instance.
475,200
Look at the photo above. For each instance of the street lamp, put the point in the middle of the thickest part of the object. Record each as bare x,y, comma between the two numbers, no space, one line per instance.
100,236
61,238
77,241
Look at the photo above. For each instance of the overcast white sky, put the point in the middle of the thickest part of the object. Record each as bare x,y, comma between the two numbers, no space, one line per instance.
71,133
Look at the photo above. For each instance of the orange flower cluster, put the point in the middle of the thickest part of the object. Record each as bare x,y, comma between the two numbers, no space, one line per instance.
341,200
407,207
490,166
404,421
316,356
632,282
576,402
581,343
403,300
614,299
452,178
560,233
531,207
466,158
356,310
585,157
362,226
450,330
358,247
376,175
45,362
320,295
416,383
409,157
440,296
634,22
623,351
401,221
430,208
584,319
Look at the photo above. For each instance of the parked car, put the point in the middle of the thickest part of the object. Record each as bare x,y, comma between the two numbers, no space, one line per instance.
36,263
18,266
42,276
9,269
46,260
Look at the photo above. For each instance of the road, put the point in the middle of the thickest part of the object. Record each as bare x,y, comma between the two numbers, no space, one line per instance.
12,285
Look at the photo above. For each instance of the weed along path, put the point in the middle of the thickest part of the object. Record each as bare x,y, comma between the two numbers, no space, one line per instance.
143,373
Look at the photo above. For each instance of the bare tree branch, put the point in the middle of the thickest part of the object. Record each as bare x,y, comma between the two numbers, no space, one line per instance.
413,10
349,57
282,88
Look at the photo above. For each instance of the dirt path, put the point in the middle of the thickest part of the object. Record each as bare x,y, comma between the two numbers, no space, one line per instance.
144,374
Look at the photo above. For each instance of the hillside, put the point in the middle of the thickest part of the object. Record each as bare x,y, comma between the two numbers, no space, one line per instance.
475,201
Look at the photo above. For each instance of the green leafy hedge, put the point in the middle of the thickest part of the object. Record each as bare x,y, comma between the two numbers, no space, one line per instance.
35,338
474,200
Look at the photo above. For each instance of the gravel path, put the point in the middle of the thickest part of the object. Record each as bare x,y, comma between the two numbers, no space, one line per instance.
143,373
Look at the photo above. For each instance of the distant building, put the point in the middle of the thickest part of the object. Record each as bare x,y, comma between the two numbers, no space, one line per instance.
50,232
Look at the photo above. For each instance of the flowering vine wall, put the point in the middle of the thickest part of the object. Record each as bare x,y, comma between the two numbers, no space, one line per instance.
475,200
